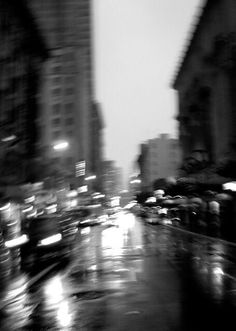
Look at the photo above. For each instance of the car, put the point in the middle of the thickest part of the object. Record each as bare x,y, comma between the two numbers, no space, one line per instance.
46,240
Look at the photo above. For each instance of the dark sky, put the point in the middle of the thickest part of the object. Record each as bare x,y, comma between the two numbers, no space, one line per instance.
138,44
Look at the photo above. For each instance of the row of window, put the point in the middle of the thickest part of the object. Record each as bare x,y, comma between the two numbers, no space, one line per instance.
68,121
69,80
68,107
58,91
67,161
58,134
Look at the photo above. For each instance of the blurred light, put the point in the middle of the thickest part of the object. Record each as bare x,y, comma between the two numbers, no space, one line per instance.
231,186
32,214
95,206
85,231
218,271
73,203
16,287
93,267
50,240
30,199
39,213
82,189
151,199
5,207
63,315
88,220
9,138
72,194
90,177
17,241
60,146
99,196
130,205
135,181
51,209
26,210
159,192
113,241
54,291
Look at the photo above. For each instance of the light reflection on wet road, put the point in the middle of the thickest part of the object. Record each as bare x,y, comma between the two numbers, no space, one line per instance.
131,275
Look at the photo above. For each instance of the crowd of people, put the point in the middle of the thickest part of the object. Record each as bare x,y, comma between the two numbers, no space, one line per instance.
210,213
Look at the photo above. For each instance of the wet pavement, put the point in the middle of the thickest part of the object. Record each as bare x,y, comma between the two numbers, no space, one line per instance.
131,275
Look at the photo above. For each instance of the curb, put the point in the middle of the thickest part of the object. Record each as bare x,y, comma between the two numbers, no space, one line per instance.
199,235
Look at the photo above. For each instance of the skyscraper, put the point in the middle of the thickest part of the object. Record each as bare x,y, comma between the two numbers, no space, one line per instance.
21,53
67,85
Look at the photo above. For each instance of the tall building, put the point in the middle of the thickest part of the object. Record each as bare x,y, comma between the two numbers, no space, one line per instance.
22,53
67,84
96,151
111,178
159,158
205,81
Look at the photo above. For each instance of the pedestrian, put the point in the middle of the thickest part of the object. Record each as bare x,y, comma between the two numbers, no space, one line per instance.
213,214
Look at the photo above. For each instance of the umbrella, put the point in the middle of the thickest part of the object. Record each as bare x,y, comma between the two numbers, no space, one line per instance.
168,202
180,201
196,200
223,196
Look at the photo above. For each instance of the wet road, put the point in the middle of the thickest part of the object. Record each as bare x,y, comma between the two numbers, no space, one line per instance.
127,276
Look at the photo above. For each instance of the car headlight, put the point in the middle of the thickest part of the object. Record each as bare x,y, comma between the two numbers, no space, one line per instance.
17,241
50,240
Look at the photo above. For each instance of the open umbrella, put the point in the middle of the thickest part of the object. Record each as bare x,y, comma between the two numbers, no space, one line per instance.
168,202
223,197
196,200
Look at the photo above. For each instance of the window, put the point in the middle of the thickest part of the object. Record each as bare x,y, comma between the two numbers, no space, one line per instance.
70,80
56,121
69,121
69,133
69,160
56,109
56,80
56,69
69,90
56,134
68,56
56,92
69,108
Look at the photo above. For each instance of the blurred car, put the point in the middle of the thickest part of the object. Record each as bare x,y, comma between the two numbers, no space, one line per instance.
45,240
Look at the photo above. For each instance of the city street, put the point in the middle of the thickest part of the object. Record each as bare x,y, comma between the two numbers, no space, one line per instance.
130,275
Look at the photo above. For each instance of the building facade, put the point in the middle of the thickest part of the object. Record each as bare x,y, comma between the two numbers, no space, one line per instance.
159,158
22,54
96,150
66,96
111,178
206,82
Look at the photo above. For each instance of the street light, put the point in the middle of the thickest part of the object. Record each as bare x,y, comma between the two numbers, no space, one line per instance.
9,138
90,177
61,146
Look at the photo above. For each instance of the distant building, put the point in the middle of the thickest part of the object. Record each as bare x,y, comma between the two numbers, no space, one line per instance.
22,53
111,178
96,151
159,158
206,85
66,97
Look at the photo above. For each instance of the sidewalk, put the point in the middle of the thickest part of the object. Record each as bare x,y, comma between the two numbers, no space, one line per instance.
186,230
17,281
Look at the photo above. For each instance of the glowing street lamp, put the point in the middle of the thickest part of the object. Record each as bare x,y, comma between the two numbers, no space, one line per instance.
91,177
61,146
9,138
